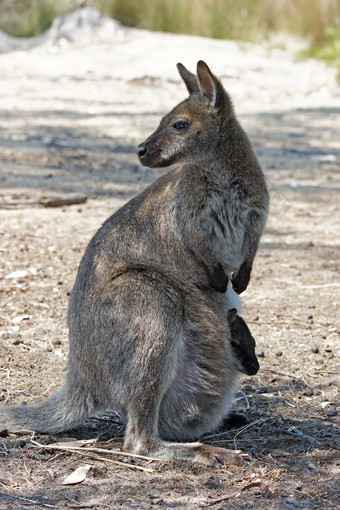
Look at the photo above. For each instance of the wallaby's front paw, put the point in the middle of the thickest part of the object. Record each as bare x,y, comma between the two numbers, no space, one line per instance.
240,278
217,457
218,280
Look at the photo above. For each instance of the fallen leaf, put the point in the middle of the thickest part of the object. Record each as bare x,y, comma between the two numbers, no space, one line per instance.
20,318
77,476
255,483
17,274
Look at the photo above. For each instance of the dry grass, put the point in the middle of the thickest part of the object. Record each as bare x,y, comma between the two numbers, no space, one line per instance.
245,19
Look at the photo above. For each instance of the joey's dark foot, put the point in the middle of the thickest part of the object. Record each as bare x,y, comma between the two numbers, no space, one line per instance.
240,278
234,420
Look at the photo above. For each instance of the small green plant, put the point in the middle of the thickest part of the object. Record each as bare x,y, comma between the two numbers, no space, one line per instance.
24,18
329,50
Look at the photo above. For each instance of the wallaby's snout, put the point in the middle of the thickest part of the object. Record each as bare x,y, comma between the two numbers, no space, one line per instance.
149,152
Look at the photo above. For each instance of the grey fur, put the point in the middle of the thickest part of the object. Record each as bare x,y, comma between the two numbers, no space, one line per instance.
149,333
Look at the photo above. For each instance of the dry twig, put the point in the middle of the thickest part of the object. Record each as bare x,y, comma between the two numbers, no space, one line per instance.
87,452
95,450
292,376
260,420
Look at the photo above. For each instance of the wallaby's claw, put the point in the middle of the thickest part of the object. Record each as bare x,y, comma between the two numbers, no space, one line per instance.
245,456
240,280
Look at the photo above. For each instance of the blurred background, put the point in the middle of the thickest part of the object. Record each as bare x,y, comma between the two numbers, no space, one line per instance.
317,22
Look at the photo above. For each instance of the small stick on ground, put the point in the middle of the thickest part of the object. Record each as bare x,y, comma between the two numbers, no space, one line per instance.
95,450
219,434
261,420
224,498
291,376
124,464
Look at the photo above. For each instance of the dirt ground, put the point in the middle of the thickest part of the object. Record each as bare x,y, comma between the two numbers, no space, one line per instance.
71,117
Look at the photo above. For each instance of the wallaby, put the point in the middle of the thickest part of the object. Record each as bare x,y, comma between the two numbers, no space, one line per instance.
243,344
149,332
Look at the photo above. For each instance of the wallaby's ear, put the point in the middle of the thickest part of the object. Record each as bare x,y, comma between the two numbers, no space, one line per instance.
212,89
232,315
189,78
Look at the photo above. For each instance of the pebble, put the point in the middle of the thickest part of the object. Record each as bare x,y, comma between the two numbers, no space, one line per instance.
15,338
314,349
260,354
331,413
308,392
19,443
278,353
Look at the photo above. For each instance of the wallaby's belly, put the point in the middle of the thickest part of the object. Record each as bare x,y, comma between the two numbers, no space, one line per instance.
202,389
197,401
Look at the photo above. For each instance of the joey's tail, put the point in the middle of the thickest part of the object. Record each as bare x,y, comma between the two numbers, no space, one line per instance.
64,410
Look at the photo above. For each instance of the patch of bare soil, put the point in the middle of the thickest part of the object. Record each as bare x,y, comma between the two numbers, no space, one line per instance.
71,116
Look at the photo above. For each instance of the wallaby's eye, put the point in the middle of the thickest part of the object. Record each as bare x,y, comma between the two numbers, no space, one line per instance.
180,125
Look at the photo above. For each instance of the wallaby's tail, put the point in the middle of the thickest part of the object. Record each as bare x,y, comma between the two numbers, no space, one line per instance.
62,411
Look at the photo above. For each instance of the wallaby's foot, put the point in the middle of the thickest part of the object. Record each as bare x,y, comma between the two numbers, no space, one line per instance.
234,420
217,457
241,277
208,455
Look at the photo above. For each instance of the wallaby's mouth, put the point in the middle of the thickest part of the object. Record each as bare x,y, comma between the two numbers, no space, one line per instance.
149,158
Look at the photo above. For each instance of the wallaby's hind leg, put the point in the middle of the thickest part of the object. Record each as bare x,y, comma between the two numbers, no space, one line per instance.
151,312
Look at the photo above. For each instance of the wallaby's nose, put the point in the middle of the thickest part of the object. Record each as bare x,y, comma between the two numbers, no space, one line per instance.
141,151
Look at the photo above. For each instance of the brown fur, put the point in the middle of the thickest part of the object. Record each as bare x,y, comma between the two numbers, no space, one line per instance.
149,333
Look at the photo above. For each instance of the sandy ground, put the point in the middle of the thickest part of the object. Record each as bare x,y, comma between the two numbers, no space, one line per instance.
71,117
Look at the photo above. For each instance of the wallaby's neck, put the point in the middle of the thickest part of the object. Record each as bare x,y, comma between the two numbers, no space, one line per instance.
230,157
235,151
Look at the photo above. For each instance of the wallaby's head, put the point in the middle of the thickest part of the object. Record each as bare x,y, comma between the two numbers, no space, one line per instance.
191,130
243,344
